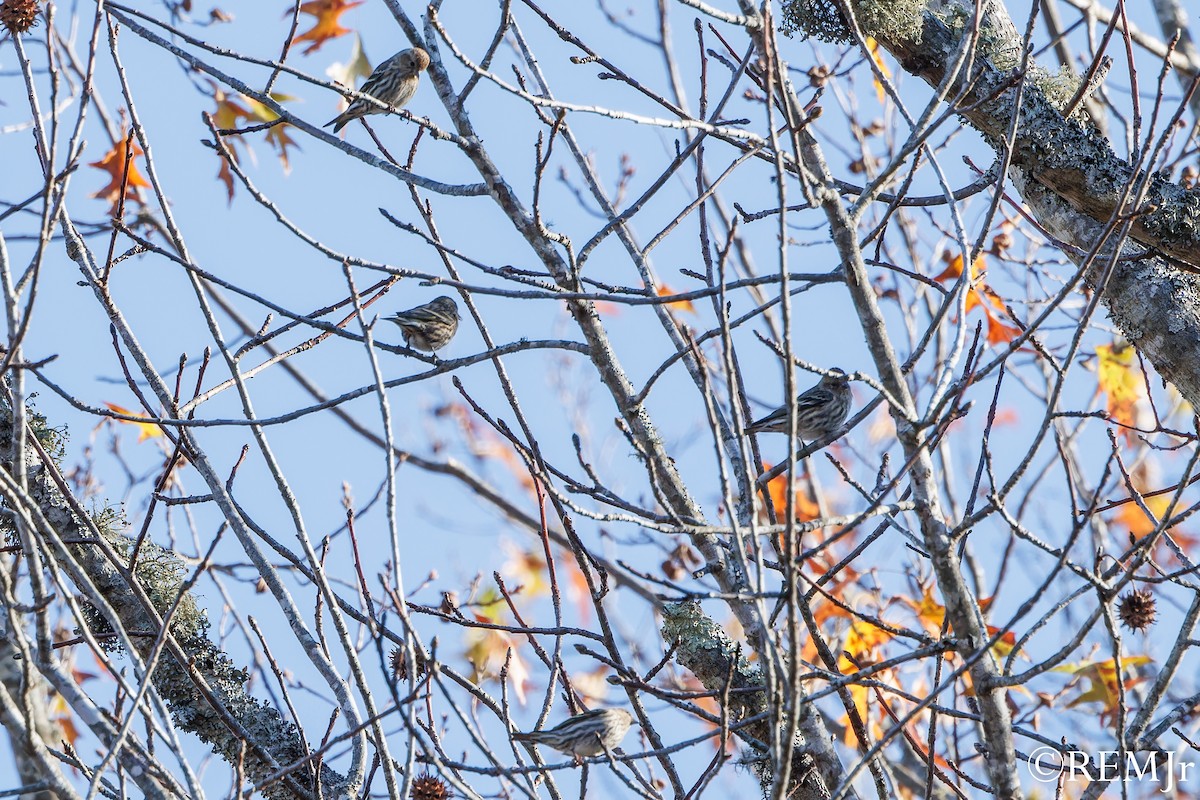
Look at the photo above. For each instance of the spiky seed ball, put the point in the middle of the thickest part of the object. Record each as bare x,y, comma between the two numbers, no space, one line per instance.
819,411
586,734
429,327
393,83
1137,609
429,787
399,666
19,15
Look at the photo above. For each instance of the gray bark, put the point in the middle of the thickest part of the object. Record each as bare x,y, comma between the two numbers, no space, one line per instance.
1067,173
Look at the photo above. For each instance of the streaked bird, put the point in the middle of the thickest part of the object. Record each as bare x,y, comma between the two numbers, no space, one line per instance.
586,734
819,411
430,326
393,83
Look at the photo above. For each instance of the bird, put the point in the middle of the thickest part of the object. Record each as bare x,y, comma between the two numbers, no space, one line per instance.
819,411
588,734
430,326
392,83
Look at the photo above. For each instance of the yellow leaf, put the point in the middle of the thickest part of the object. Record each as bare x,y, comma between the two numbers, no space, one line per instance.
873,49
1120,381
863,641
355,67
262,112
490,606
527,568
1102,681
929,611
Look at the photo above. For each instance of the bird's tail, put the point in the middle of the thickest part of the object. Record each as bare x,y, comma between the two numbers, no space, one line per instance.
338,122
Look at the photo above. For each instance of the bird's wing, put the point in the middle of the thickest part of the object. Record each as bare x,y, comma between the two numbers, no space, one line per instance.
813,398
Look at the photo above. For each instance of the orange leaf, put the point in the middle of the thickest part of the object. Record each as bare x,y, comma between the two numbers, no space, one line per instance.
147,430
803,505
114,164
679,305
1131,514
1006,417
997,332
328,25
278,138
1133,518
954,269
861,696
607,308
576,587
225,176
69,731
980,295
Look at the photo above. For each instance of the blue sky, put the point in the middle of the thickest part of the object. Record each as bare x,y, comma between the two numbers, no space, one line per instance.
337,199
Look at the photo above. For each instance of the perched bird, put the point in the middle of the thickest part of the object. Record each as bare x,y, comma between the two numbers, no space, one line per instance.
429,327
586,734
392,83
819,412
